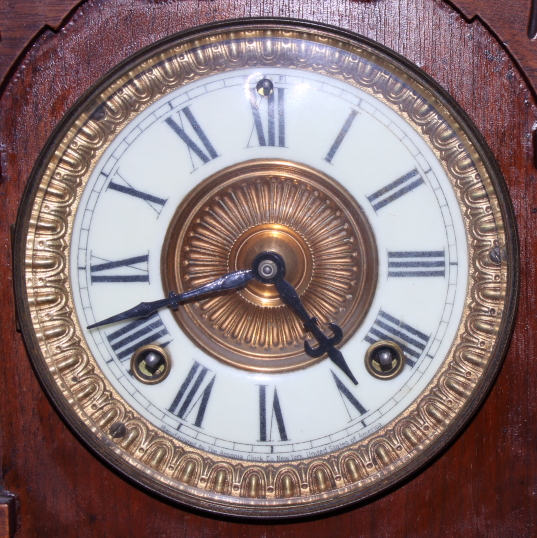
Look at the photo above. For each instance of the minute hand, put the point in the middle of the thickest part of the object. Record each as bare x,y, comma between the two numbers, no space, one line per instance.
143,310
290,297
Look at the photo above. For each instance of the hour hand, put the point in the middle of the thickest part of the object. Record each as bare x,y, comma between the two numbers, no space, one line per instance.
143,310
327,344
269,267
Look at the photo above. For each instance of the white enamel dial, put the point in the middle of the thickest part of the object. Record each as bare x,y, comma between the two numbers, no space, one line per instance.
330,126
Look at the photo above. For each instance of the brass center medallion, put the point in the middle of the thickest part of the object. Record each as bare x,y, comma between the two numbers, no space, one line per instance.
305,216
277,238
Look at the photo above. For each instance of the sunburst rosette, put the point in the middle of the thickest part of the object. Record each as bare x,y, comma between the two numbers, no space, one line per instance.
301,213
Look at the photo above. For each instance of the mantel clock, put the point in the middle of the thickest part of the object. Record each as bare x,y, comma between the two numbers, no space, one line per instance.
266,268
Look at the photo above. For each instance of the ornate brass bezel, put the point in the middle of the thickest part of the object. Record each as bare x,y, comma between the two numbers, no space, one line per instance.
89,403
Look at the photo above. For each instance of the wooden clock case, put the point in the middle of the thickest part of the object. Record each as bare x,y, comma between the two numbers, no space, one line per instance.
485,483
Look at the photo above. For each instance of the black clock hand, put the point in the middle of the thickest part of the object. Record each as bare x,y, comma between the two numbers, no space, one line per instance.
271,260
143,310
290,297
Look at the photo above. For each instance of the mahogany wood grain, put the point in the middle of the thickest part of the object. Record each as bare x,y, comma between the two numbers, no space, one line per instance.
484,485
510,22
21,22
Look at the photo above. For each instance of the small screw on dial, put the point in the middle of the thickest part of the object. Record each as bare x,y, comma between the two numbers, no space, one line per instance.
268,269
118,430
265,87
495,255
385,357
152,361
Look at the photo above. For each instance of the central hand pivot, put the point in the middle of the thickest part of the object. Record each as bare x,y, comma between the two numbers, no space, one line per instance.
269,268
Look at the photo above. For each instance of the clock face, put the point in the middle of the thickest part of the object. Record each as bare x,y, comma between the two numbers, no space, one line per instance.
241,151
203,137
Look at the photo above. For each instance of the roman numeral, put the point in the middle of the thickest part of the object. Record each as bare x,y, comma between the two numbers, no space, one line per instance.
138,274
429,263
342,134
204,156
396,189
346,394
274,109
154,202
266,419
411,340
192,391
128,339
